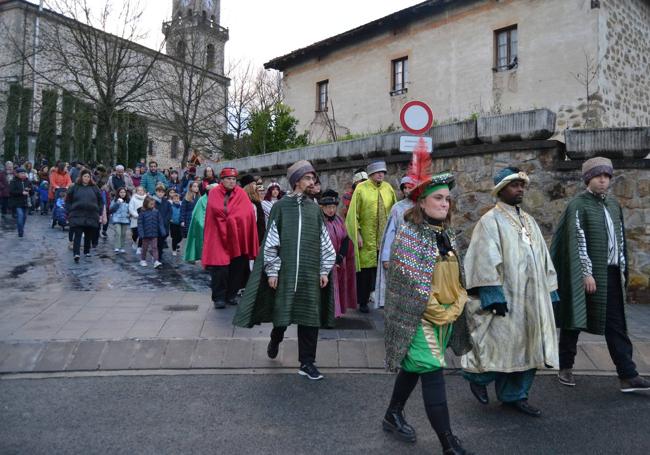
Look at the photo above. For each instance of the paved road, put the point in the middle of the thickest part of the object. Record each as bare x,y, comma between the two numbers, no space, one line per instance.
42,262
286,414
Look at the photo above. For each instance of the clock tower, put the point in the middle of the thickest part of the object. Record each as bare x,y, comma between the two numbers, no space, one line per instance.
194,33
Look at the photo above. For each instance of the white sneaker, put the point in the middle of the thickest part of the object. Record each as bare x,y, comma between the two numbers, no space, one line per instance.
138,251
157,264
122,250
143,263
70,245
174,253
116,250
134,246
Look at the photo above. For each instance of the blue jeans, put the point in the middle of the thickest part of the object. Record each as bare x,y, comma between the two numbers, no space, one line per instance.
21,217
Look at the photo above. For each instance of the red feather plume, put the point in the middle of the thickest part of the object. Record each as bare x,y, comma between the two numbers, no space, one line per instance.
421,168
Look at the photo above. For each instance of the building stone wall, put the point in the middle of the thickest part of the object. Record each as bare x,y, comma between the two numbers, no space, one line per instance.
625,62
553,182
450,66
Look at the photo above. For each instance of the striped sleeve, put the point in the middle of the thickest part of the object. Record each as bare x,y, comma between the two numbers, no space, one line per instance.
582,248
327,252
272,261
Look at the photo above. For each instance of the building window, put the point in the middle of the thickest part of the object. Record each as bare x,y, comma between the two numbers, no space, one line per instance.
180,50
400,76
210,56
505,41
174,147
150,148
322,96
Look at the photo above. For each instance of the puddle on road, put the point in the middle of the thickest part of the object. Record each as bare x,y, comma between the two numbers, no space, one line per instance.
20,270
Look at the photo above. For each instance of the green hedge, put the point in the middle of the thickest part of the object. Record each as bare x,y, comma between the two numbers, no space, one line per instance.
46,139
67,122
23,129
11,122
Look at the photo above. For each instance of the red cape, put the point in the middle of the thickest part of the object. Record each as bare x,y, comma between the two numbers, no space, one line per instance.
231,232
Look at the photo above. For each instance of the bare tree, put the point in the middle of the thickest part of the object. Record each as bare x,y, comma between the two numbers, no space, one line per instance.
192,98
268,89
81,55
586,79
241,97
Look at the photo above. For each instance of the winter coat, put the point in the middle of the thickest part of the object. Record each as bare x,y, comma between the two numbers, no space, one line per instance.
16,197
176,213
59,214
150,224
165,209
44,192
149,181
120,212
134,204
187,207
4,184
85,205
59,180
176,186
115,184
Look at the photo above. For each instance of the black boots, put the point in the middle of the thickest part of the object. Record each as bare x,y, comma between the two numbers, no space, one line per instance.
451,445
480,392
395,423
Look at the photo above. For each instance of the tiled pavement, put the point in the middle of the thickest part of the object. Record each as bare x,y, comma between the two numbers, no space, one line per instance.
127,330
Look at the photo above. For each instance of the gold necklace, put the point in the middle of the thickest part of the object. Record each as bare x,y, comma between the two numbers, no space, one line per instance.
523,226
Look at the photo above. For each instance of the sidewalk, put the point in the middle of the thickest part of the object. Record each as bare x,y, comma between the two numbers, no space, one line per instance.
127,330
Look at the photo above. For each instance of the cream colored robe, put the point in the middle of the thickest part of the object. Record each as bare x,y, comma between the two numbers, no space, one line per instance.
498,256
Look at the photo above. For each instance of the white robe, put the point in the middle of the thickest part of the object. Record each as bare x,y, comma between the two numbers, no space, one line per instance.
498,256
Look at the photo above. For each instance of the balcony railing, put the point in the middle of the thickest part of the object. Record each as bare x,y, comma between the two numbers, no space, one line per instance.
194,21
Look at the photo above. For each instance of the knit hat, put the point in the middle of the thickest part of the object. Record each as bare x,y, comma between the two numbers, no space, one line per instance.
20,169
359,175
406,180
298,170
245,180
377,166
595,166
505,176
227,172
329,197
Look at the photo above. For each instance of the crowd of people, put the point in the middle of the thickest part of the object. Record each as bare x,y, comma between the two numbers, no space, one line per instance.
306,256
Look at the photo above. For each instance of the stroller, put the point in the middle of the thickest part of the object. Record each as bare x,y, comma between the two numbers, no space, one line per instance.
59,214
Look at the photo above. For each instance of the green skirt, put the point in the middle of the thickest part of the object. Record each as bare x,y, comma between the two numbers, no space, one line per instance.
427,350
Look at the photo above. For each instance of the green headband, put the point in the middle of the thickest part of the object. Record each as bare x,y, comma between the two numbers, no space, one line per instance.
433,188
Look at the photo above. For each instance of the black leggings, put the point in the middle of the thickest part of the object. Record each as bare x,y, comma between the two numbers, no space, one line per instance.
134,236
433,393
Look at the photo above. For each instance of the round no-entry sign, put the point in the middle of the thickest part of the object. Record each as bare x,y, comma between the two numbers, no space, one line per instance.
416,117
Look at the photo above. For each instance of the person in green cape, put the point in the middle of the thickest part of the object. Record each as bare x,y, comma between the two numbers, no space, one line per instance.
289,281
590,257
194,244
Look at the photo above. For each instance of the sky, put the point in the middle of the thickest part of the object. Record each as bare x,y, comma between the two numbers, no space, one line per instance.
261,29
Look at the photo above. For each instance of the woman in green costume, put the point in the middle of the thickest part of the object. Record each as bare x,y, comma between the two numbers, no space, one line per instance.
424,310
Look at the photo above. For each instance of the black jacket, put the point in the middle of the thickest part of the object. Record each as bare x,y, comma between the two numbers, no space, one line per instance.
84,204
16,197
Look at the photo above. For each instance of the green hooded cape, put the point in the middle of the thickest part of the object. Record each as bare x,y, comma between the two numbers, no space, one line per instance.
577,310
298,298
194,244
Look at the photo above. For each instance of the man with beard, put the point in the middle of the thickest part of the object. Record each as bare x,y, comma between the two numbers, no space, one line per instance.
289,281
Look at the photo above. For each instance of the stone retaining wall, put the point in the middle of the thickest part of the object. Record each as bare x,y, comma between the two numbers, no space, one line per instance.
554,180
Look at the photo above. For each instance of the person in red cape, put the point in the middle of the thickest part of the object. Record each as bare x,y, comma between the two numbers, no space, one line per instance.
229,238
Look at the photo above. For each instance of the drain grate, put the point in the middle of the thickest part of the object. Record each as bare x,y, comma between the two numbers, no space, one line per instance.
181,307
353,324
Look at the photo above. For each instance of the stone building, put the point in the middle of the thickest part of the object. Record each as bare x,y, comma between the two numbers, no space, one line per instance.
471,57
194,40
